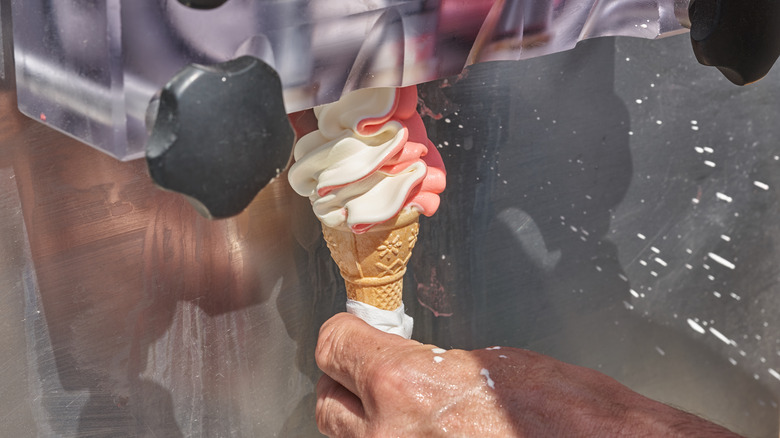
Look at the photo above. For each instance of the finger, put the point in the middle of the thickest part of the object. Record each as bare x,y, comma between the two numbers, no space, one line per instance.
339,413
349,350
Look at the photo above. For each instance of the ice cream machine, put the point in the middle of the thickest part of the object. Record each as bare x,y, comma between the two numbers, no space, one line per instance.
610,203
95,70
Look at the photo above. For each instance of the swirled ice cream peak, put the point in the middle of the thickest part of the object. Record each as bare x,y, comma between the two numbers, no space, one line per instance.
369,158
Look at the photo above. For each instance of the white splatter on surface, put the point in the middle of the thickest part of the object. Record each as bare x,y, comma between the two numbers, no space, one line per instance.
490,382
720,336
695,325
723,197
438,359
721,260
438,350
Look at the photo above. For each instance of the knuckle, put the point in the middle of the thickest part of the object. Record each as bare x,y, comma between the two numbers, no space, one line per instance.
377,434
387,378
324,422
380,385
328,341
323,411
321,415
324,348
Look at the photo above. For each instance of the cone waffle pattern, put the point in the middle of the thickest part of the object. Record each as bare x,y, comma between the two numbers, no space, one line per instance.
373,264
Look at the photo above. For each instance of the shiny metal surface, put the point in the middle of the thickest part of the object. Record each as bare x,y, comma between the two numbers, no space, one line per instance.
90,68
613,206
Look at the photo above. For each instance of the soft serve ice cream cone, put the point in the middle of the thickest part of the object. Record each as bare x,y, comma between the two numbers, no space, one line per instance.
370,171
373,263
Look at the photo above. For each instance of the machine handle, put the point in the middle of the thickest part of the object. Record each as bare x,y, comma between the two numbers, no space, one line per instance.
220,134
741,38
203,4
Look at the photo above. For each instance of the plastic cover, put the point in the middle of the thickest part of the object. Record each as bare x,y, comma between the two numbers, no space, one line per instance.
90,67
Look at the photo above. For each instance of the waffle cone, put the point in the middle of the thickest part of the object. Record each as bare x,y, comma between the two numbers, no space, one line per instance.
373,264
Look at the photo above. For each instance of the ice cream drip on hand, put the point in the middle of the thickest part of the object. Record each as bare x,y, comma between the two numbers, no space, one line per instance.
369,158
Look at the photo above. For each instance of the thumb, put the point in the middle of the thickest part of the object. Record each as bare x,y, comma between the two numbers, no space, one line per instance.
350,351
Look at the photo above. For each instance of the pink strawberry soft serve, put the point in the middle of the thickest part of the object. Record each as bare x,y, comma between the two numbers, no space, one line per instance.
369,158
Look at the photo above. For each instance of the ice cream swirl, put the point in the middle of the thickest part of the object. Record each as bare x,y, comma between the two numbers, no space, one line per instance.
369,158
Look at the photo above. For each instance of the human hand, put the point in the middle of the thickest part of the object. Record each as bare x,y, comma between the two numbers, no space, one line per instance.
381,385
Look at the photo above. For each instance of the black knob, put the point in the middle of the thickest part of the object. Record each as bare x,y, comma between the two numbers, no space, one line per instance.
203,4
220,134
741,38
